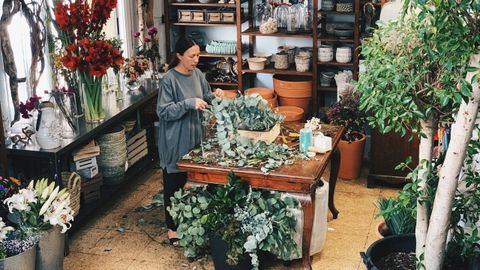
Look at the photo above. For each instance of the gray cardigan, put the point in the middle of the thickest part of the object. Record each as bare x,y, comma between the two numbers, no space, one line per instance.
180,127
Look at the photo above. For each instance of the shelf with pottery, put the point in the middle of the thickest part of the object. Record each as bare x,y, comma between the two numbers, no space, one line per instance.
279,33
216,55
334,63
191,4
270,70
203,24
330,38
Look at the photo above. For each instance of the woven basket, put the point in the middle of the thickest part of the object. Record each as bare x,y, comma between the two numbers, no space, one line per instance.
72,181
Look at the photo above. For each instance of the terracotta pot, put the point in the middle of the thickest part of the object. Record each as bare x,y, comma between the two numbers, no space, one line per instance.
303,103
351,155
292,86
291,113
382,229
272,102
266,93
230,94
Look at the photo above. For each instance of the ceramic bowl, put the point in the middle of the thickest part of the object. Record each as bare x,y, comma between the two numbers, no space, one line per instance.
343,32
265,55
256,63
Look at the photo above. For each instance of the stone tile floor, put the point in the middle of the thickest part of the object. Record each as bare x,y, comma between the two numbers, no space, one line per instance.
118,237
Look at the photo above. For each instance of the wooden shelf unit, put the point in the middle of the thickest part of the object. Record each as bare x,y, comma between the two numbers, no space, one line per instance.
172,25
251,31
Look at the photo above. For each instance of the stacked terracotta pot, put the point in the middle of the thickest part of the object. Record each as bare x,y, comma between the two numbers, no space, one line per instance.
293,91
267,93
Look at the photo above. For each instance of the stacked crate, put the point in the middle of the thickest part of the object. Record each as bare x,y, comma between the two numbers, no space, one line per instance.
85,164
137,147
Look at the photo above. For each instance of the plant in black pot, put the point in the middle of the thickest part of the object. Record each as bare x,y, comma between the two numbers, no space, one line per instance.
346,113
236,222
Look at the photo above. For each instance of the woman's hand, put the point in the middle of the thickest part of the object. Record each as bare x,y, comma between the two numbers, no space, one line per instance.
219,93
200,104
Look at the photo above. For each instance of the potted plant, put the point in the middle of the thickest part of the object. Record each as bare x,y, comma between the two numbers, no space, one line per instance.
398,215
422,69
346,112
43,209
236,217
16,252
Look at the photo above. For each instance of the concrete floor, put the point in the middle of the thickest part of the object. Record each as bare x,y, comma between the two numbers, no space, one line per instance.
119,237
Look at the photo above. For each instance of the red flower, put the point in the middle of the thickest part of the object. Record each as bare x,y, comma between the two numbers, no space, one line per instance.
136,34
152,30
146,40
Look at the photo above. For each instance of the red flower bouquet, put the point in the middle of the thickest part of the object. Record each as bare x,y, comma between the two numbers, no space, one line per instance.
86,50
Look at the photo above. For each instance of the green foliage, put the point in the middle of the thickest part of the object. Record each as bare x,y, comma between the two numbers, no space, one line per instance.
252,113
416,67
399,216
247,220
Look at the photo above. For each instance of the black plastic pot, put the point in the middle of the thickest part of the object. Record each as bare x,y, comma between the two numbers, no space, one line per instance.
387,245
219,256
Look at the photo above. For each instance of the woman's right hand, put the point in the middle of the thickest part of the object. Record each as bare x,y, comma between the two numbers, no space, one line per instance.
200,104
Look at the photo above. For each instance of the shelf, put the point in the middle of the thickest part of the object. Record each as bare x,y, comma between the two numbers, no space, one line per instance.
271,70
204,24
222,84
203,5
327,89
280,33
213,55
326,38
335,13
350,64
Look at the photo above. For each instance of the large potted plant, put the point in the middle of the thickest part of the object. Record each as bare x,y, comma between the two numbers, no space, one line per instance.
42,208
236,222
346,113
423,69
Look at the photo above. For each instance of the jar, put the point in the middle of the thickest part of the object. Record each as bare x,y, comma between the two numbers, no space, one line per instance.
281,60
48,131
343,54
302,63
326,78
293,20
325,53
281,15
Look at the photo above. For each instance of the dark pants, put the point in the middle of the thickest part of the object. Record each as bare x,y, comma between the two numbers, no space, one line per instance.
172,182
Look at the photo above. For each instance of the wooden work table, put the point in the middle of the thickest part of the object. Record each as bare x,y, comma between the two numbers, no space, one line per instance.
300,178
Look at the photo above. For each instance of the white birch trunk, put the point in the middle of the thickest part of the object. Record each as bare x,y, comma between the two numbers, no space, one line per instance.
428,127
141,20
448,176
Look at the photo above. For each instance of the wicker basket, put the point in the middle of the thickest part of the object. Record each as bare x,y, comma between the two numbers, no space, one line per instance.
72,181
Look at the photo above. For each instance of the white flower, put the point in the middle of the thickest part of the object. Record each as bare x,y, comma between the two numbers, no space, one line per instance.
59,213
4,230
21,200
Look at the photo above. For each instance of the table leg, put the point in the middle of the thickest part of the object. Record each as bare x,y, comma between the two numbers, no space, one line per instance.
308,206
332,182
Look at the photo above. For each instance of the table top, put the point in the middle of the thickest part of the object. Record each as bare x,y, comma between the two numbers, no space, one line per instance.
115,110
301,176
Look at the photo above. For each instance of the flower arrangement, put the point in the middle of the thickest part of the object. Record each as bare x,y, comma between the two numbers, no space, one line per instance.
41,206
12,243
149,46
346,113
30,105
248,220
134,68
86,50
8,186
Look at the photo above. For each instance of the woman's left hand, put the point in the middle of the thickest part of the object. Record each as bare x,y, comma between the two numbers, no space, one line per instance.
218,93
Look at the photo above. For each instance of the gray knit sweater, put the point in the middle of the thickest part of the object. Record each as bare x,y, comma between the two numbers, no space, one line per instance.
180,126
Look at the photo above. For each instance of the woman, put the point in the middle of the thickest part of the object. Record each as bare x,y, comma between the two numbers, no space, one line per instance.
183,93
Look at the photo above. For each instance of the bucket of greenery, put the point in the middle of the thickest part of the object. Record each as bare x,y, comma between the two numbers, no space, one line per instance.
43,209
346,113
243,221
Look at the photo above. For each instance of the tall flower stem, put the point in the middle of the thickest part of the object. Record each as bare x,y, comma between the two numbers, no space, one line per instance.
92,97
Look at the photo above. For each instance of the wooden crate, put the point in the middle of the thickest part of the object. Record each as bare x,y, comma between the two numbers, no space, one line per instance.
266,136
191,16
91,188
137,147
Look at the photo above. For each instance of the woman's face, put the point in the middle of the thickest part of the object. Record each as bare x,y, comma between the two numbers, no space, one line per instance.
189,59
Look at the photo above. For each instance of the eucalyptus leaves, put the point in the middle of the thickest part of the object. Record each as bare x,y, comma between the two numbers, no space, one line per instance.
248,220
245,112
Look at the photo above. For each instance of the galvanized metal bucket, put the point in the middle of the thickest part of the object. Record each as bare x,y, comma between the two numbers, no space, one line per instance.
22,261
50,250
